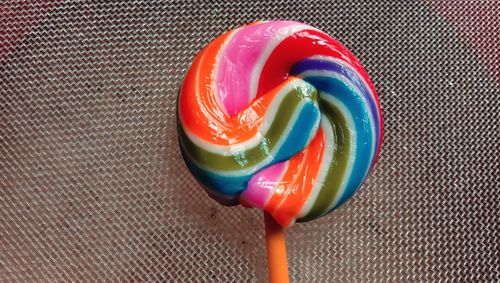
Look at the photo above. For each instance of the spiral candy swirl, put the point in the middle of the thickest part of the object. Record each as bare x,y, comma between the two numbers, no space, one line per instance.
281,116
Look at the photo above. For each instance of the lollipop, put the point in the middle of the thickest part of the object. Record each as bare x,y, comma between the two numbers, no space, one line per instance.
279,115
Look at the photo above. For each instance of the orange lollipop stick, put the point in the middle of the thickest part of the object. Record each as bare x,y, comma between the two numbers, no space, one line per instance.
277,262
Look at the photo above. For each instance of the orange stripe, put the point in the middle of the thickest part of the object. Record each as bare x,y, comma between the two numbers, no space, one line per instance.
202,115
285,182
299,178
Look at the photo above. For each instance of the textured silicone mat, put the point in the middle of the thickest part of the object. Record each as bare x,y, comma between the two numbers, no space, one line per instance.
93,187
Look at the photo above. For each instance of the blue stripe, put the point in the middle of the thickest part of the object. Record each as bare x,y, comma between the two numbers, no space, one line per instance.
299,135
364,155
349,74
231,186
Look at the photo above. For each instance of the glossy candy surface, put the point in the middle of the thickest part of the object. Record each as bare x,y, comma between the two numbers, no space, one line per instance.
279,115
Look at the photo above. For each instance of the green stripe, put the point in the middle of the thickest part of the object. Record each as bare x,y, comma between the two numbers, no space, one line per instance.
333,180
250,157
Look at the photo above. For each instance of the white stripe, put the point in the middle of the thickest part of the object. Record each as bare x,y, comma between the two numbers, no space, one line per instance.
269,157
329,148
280,35
325,73
346,65
352,150
227,150
215,73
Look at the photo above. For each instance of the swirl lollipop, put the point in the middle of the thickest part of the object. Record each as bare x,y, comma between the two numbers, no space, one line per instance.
279,115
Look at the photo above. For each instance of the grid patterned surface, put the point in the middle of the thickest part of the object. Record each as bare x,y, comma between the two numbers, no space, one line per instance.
93,187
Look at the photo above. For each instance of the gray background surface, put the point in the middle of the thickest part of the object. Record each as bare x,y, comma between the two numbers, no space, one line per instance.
93,187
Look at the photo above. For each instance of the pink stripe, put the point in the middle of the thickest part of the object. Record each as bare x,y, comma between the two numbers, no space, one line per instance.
261,185
238,60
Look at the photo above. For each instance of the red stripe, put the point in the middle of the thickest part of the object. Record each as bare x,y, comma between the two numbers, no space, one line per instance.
304,44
